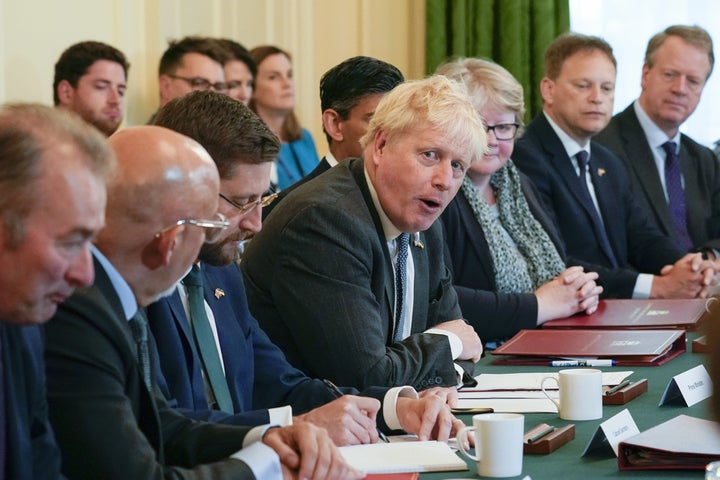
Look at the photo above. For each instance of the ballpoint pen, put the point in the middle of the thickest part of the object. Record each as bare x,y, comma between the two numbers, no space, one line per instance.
583,363
338,393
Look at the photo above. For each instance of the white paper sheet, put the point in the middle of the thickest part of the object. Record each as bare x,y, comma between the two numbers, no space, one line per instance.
531,381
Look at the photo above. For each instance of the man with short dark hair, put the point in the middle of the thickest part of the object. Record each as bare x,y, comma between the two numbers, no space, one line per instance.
53,169
586,188
189,64
676,178
90,79
349,94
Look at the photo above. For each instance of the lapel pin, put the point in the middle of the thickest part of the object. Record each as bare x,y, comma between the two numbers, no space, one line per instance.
601,172
419,244
219,293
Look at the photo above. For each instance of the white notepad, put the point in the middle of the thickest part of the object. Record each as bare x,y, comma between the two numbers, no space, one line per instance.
430,456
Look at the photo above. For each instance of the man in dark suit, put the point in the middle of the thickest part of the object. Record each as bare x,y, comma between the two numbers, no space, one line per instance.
258,378
591,200
110,420
679,189
321,275
53,169
349,94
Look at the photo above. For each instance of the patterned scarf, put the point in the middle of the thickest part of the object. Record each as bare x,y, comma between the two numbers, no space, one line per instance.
533,259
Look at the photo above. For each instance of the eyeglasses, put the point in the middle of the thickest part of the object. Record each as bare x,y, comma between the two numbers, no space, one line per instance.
199,83
503,131
246,208
213,228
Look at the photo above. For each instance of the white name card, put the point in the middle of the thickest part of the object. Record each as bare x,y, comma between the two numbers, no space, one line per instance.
613,431
692,386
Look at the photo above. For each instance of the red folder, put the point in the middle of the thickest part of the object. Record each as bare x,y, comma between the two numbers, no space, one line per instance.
624,347
682,443
652,314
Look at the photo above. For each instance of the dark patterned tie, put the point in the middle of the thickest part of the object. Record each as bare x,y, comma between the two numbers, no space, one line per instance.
600,233
205,340
402,242
139,327
676,195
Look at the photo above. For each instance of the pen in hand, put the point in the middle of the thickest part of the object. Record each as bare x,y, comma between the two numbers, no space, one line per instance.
337,393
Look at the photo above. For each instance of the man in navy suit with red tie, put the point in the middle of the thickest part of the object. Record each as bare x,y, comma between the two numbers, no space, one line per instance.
53,169
587,189
254,382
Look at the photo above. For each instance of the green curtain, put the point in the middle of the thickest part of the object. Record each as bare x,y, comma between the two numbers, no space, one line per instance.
513,33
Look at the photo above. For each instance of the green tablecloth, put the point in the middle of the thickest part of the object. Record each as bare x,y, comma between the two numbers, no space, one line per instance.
566,462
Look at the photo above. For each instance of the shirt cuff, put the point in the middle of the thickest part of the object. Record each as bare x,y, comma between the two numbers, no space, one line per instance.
281,416
390,405
643,286
455,342
262,460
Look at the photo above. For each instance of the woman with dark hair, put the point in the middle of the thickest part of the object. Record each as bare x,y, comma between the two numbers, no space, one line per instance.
274,100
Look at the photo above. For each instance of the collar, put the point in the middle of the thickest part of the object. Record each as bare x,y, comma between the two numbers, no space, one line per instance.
571,146
330,158
390,231
123,290
655,136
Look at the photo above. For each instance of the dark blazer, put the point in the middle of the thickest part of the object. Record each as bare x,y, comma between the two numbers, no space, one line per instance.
495,316
320,281
323,166
701,174
258,375
31,451
637,244
107,423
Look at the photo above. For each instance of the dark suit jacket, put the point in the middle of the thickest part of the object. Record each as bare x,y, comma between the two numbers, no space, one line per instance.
258,375
322,167
637,244
701,174
31,452
320,281
107,423
494,315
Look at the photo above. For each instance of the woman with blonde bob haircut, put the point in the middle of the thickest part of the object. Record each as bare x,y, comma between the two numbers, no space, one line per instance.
507,259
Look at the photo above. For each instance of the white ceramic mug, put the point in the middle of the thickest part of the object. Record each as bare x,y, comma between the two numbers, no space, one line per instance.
580,393
498,444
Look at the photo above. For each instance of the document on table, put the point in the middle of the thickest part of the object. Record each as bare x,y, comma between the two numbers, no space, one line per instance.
519,392
428,456
531,381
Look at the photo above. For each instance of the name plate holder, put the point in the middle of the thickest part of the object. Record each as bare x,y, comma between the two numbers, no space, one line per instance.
611,432
688,388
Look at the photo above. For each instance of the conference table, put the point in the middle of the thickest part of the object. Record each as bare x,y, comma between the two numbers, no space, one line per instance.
566,462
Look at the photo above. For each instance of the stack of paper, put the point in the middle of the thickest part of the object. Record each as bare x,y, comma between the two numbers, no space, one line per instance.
520,392
430,456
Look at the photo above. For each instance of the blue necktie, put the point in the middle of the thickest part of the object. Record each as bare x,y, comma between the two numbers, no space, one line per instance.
676,195
139,327
402,242
205,340
600,233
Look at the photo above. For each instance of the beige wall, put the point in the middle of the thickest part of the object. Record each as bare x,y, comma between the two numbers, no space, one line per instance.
318,33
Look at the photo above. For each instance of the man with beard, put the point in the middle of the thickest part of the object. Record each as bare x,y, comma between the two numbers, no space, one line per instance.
90,80
239,371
